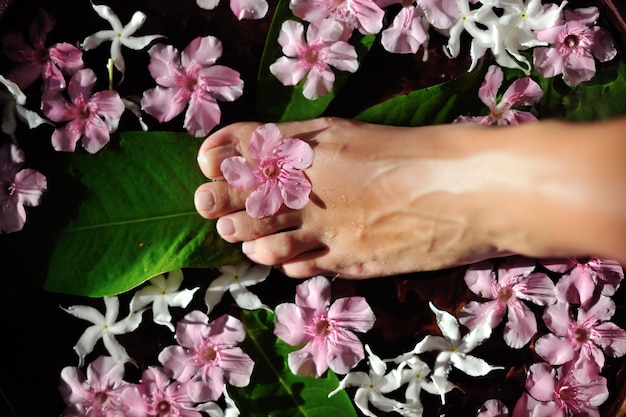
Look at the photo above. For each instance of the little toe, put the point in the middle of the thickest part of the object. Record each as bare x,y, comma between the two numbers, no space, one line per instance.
275,249
215,199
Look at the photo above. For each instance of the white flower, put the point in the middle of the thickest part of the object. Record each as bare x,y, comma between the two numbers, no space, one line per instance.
235,278
453,350
12,102
417,378
104,327
373,386
214,410
119,35
163,292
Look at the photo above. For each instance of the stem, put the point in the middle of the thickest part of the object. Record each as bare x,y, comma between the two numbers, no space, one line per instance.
110,67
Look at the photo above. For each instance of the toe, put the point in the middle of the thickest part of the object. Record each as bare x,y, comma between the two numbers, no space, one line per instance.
215,199
279,248
240,227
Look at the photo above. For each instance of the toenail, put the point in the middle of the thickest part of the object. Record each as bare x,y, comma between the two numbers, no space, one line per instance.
205,201
225,227
248,247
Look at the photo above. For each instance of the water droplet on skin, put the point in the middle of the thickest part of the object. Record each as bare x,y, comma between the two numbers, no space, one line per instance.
330,233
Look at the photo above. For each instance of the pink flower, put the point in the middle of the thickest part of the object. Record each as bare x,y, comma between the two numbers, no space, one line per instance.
207,356
325,329
190,79
18,188
157,395
588,334
407,32
274,172
84,113
100,394
515,281
573,46
364,15
36,60
313,57
566,391
584,280
522,92
243,9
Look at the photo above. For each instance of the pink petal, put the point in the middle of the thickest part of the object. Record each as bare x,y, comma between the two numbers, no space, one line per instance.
491,84
73,386
318,83
288,71
192,329
296,153
207,4
64,139
352,313
265,201
406,33
105,372
537,288
577,288
29,185
314,295
109,104
164,65
440,13
521,325
345,352
237,366
553,349
541,381
56,108
548,61
602,309
290,324
265,141
480,278
295,190
96,135
204,51
522,92
308,361
13,214
291,38
202,115
67,57
558,318
527,406
81,84
602,47
611,338
222,82
164,103
578,68
474,313
226,330
369,16
238,172
342,56
249,9
208,389
178,362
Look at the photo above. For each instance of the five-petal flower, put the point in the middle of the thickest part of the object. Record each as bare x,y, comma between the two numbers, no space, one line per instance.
274,172
106,327
236,279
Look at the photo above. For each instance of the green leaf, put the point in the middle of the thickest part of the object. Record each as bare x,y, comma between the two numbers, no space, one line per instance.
278,103
438,104
273,390
136,218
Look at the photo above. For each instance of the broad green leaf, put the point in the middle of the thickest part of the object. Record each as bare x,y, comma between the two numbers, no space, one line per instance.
278,103
136,218
440,103
273,390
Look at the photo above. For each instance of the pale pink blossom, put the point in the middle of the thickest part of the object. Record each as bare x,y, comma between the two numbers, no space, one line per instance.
207,356
522,92
565,391
19,187
574,45
407,32
588,335
35,60
190,80
99,393
513,282
274,172
364,15
86,115
159,396
585,279
325,329
242,9
313,57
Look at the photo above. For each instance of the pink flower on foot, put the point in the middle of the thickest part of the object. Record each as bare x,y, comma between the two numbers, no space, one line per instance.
573,46
191,79
522,92
18,188
274,172
86,114
325,330
208,356
36,60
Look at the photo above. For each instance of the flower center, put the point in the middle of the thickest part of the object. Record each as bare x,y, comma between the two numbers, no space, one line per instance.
209,355
271,171
163,407
581,335
571,41
505,293
191,83
99,399
84,112
7,188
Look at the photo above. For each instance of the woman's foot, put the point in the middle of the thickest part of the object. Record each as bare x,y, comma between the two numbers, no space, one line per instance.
385,201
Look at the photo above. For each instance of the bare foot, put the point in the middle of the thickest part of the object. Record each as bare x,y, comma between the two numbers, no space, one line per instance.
379,205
